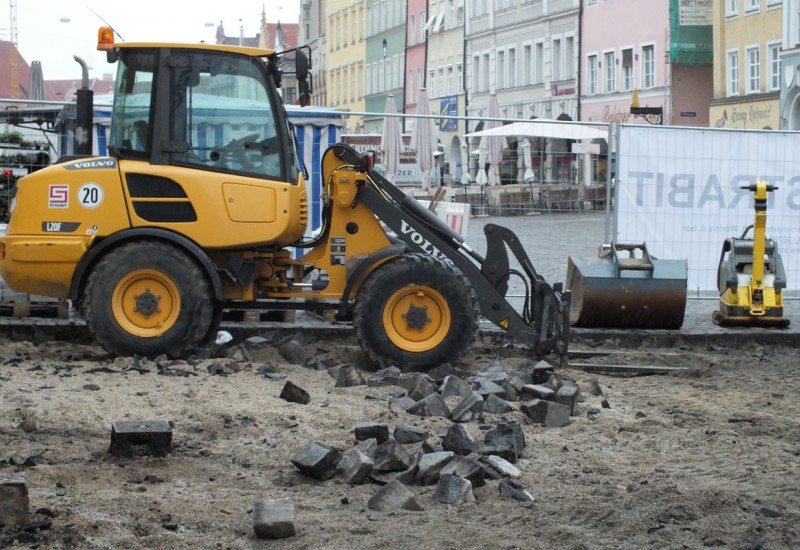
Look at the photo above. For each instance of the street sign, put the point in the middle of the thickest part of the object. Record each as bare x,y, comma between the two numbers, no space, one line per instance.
586,148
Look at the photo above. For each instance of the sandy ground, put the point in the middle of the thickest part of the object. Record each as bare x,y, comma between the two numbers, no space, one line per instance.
704,457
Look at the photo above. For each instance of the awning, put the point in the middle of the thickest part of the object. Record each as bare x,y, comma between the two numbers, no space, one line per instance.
544,128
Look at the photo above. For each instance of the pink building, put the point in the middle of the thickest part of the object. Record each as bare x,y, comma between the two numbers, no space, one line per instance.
666,57
415,57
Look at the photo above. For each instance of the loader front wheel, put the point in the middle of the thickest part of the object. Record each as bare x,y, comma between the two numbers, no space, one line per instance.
148,298
415,311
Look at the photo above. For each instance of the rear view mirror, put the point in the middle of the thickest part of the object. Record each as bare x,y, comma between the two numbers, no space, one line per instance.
302,71
302,66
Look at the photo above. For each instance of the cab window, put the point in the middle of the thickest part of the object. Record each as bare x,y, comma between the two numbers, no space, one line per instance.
222,117
130,130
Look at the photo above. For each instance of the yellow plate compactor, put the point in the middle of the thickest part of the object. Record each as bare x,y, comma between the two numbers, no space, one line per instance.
750,275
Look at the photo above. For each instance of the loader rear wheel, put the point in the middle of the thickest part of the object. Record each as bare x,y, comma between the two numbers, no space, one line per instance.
416,311
148,298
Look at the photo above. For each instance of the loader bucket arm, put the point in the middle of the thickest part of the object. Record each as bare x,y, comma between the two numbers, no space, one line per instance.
549,314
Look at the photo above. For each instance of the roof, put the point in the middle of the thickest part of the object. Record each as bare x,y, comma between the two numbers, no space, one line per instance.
64,90
290,32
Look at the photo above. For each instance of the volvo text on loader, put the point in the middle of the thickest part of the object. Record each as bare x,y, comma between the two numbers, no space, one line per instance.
201,201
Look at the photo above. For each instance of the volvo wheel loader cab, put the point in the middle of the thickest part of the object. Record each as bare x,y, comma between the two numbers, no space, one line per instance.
201,201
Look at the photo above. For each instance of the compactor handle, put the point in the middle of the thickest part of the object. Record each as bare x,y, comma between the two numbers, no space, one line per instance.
754,187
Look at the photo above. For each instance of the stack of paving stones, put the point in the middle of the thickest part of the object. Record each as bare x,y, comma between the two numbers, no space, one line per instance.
455,459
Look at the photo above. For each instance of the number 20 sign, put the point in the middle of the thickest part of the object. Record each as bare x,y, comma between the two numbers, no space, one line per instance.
90,195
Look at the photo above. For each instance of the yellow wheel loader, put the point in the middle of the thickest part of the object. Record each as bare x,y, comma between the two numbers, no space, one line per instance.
202,200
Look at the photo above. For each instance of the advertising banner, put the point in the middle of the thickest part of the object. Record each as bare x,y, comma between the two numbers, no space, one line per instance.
448,107
680,191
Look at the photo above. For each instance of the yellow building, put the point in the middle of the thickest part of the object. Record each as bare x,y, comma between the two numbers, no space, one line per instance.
346,50
747,73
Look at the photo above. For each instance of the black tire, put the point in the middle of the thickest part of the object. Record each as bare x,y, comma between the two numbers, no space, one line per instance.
148,298
416,311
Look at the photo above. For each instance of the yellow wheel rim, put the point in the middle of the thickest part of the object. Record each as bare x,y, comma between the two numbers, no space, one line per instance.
146,303
416,318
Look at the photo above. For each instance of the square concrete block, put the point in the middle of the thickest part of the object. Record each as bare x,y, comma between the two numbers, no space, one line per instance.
138,437
14,503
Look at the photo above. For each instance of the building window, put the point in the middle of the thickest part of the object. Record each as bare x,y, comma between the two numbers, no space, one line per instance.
648,67
479,7
627,70
501,70
410,87
556,59
512,67
569,57
412,30
733,73
538,63
751,5
441,81
731,8
476,73
753,69
432,83
485,73
591,84
527,64
774,60
459,78
450,84
609,70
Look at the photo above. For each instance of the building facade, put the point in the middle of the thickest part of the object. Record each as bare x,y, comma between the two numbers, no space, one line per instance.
748,35
345,37
445,81
790,67
385,58
666,58
526,53
312,34
416,52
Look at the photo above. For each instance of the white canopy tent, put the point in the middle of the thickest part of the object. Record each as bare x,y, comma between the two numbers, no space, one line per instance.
544,128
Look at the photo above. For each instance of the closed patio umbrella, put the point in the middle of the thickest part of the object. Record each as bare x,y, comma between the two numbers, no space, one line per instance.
465,179
423,141
391,140
494,144
527,161
481,178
